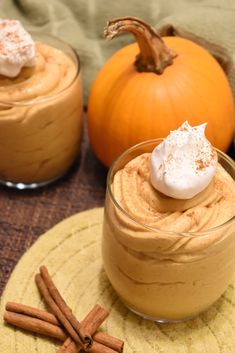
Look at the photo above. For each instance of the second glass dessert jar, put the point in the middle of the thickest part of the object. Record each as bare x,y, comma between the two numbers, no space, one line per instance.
162,275
41,116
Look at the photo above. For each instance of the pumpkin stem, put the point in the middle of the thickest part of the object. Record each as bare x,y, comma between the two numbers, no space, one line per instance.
154,55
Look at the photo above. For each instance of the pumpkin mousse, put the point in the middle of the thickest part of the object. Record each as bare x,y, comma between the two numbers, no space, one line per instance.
40,106
168,236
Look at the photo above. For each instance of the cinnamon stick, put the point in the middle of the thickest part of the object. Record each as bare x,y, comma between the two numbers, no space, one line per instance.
35,325
94,319
45,328
41,322
56,310
99,348
68,346
100,337
91,323
109,341
64,308
30,311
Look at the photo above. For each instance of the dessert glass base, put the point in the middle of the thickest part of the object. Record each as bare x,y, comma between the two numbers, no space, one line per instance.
39,184
158,319
25,186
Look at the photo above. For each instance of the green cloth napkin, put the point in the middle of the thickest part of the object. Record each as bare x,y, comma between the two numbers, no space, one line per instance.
81,23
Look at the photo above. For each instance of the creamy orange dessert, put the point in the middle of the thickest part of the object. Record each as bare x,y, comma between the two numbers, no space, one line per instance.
169,229
40,108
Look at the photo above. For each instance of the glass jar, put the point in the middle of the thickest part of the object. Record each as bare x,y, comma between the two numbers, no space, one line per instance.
163,275
41,116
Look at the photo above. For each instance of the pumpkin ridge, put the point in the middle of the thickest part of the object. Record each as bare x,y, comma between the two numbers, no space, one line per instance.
127,106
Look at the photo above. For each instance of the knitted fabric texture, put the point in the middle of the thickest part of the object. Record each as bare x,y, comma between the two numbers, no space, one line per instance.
72,252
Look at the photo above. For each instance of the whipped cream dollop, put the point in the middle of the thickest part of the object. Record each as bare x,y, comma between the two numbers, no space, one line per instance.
17,48
184,163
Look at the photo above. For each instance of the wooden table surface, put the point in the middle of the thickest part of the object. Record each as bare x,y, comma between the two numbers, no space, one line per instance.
24,215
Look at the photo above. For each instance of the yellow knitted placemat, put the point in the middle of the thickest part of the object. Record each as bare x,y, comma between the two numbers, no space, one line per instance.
71,251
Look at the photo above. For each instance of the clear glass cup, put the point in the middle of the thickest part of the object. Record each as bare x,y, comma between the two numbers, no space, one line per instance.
137,262
40,119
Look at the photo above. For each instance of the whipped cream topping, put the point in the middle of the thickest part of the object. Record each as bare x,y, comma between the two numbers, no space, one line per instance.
184,163
17,48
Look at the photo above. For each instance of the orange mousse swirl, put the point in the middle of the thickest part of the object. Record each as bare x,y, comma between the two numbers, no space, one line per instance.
40,118
53,71
168,259
161,214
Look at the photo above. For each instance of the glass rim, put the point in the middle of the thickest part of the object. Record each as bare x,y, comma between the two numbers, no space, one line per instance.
31,102
146,226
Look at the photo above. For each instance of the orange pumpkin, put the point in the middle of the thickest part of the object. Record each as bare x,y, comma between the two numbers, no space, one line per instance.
151,87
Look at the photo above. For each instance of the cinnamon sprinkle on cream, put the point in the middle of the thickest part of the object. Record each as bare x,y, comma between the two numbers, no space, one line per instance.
17,48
